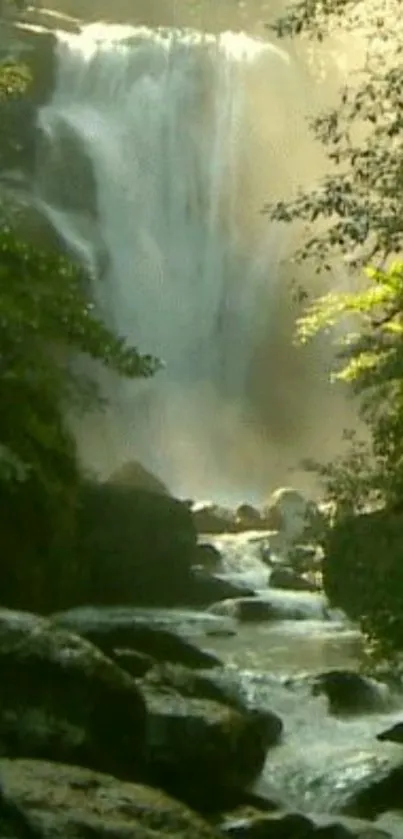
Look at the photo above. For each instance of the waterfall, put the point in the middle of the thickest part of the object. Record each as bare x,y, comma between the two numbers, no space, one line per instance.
159,149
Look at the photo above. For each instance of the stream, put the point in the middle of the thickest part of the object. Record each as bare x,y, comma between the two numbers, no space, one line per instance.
321,755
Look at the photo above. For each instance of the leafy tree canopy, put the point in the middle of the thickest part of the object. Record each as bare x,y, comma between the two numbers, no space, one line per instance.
360,199
355,215
359,205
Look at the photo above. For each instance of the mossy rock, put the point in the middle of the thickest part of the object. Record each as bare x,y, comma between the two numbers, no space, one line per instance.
62,699
138,546
69,802
203,751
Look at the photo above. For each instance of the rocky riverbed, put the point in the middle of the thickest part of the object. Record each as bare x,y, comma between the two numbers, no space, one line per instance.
222,696
248,718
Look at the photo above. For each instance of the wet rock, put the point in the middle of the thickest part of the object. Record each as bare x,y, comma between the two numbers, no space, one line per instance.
51,20
276,605
210,518
216,687
348,692
28,219
348,829
70,181
245,609
304,558
135,663
137,547
286,578
36,49
295,825
193,684
334,830
269,826
14,822
290,513
207,557
390,823
207,588
377,793
392,735
67,802
201,751
145,631
135,475
219,685
248,518
252,804
62,699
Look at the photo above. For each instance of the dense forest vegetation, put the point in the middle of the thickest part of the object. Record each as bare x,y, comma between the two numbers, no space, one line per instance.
360,207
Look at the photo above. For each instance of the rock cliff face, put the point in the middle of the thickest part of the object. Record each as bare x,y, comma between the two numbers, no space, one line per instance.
35,48
32,46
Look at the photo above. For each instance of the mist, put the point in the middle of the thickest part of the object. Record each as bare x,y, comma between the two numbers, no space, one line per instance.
236,411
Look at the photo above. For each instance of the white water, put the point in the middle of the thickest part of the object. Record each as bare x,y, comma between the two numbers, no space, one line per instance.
161,150
323,759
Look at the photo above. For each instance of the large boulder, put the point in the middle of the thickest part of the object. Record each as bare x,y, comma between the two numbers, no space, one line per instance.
137,546
152,633
53,801
211,518
290,513
62,699
245,609
219,686
275,605
135,475
193,684
349,693
288,579
203,751
248,518
216,686
208,557
377,792
206,588
394,734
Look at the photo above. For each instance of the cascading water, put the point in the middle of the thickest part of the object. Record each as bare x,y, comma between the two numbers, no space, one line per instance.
161,149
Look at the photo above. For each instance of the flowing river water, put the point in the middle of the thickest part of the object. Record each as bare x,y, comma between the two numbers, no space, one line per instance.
323,756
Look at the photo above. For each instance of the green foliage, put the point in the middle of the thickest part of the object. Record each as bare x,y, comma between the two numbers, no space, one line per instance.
355,214
46,322
44,318
363,570
361,199
372,354
14,79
